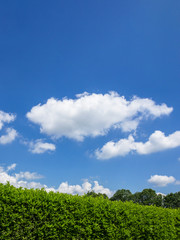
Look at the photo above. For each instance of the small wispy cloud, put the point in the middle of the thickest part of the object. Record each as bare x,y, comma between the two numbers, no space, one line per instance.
39,146
9,137
11,167
6,118
11,133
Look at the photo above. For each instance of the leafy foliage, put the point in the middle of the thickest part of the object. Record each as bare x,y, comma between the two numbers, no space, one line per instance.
148,197
172,200
93,194
36,214
122,195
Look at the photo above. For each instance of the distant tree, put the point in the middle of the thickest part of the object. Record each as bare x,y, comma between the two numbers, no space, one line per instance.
148,197
136,197
122,195
93,194
159,201
172,200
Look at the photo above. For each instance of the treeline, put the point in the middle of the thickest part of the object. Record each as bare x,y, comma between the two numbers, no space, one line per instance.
146,197
35,214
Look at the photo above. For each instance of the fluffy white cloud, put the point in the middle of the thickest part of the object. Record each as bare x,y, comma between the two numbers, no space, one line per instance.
6,118
64,187
23,179
93,114
10,136
100,189
11,133
19,179
113,149
86,186
157,142
161,181
40,147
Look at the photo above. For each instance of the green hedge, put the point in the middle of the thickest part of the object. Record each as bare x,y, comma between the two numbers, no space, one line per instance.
36,214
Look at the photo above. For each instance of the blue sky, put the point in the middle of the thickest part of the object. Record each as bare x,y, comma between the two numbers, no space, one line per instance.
90,95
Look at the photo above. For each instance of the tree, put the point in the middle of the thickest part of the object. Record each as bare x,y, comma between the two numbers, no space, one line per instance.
159,201
136,197
148,197
93,194
172,200
122,195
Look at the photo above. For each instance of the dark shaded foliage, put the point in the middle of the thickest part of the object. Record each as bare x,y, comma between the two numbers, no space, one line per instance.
122,195
172,200
148,197
93,194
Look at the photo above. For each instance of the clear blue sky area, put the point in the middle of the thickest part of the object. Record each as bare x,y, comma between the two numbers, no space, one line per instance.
54,50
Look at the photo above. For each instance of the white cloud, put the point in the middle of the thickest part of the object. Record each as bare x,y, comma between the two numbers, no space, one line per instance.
11,167
71,189
27,176
84,188
6,118
19,179
162,194
9,137
100,189
23,179
161,181
11,133
40,147
157,142
113,149
93,114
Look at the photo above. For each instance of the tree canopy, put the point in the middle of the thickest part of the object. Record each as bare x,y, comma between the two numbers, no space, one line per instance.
148,197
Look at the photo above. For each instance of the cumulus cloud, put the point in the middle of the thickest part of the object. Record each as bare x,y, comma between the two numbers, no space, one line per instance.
93,114
84,188
11,133
100,189
39,146
157,142
114,149
24,179
64,187
19,179
6,118
161,181
10,136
